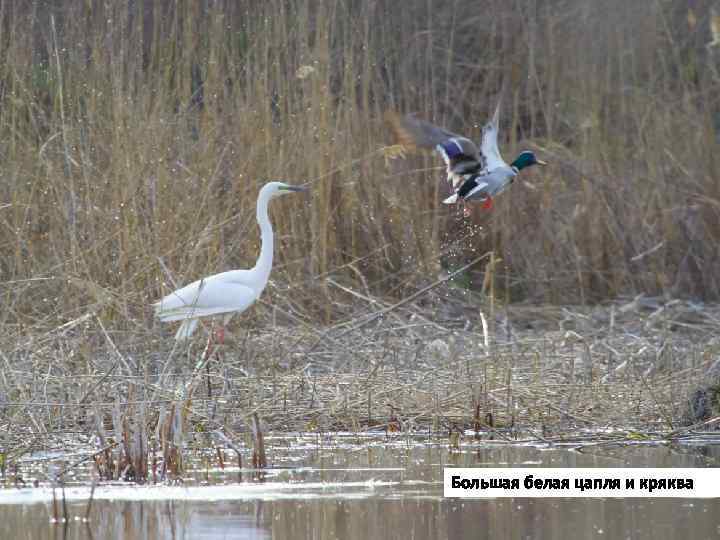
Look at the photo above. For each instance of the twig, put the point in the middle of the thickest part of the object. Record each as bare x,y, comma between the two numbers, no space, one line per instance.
408,299
121,358
86,458
90,500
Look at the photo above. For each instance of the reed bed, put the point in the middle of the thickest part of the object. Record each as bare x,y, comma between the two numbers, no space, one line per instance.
620,372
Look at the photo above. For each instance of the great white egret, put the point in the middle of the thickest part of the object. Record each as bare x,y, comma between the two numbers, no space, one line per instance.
475,174
229,292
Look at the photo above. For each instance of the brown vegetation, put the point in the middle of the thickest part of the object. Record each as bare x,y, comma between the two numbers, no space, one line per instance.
138,130
134,137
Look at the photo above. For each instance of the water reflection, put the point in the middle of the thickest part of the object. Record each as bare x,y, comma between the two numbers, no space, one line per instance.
377,518
408,505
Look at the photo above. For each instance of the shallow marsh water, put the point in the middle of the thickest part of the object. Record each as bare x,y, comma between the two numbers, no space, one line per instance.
366,487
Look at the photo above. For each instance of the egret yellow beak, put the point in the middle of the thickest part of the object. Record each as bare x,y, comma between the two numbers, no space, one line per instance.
294,188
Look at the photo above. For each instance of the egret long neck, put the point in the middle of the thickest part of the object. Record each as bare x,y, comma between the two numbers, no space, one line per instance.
264,262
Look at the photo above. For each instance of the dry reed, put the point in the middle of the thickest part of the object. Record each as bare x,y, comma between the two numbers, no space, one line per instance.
136,132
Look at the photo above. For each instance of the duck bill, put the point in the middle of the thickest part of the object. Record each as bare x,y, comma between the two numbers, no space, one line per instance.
541,162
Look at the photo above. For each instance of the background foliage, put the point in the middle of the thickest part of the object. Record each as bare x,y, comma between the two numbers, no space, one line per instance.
134,132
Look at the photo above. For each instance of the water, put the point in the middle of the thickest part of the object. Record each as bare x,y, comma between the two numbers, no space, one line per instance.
360,488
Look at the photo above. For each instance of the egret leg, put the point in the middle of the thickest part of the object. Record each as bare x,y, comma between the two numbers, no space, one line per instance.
216,338
209,350
209,347
219,334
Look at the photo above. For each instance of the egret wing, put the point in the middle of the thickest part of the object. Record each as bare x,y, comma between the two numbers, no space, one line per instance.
208,296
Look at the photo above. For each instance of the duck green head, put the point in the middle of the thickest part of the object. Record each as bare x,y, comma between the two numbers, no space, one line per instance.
526,159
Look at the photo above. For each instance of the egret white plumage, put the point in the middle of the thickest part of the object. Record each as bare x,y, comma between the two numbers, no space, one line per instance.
475,174
229,292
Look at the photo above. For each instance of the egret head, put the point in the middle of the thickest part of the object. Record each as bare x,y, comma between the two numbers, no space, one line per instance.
275,189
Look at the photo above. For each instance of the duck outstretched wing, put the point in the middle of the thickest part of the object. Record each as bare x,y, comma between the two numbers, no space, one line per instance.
459,153
490,153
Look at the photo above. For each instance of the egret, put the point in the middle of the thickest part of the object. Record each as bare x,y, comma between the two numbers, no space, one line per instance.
475,174
229,292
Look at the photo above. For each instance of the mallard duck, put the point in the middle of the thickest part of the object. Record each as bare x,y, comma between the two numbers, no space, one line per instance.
476,175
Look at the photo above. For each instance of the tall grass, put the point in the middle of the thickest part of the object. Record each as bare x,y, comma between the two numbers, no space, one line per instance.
137,131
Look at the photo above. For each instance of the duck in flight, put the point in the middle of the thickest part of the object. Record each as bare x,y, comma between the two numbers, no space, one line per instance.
475,174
